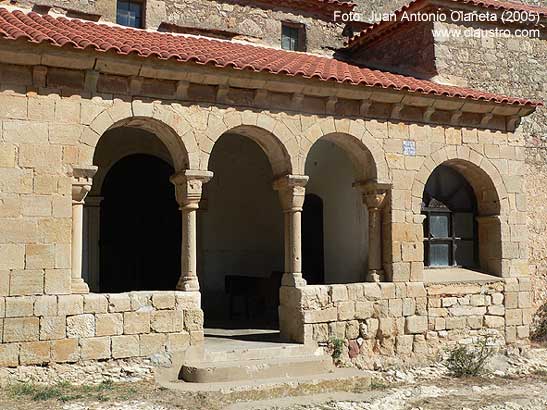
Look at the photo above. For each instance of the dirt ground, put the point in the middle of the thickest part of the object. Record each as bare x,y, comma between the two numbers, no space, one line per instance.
517,382
491,393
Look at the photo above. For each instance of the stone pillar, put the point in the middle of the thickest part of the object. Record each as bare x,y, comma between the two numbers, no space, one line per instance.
81,185
291,193
374,196
188,187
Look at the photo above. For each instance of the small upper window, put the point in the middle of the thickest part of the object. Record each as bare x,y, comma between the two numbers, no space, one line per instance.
130,13
293,36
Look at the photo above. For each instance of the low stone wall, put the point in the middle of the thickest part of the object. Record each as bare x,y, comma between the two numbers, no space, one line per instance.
36,330
410,320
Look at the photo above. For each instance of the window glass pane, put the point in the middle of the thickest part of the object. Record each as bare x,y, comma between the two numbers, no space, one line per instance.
439,254
438,225
289,38
463,225
465,253
129,13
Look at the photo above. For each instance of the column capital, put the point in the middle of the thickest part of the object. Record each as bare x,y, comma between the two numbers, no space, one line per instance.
292,191
188,187
82,179
374,193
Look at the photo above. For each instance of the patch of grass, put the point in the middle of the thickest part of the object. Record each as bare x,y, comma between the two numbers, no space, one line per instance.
65,391
22,389
47,393
378,384
41,393
466,361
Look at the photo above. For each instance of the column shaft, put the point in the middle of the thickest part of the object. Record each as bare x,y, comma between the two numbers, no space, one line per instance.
375,268
188,279
81,185
374,195
291,194
295,241
77,239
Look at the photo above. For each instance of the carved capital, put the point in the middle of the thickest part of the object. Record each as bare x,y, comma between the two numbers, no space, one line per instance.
375,200
374,193
82,180
188,187
292,191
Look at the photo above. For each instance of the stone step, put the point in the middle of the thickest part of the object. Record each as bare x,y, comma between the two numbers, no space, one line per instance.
244,370
338,380
256,353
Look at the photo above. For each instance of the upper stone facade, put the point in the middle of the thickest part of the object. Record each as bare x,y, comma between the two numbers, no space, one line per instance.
260,22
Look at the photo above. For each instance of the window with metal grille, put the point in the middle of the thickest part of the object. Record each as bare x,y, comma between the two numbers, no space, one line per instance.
130,13
450,232
293,36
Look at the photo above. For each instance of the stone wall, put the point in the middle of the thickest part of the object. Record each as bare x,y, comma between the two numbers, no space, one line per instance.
408,50
366,7
257,23
54,118
413,321
68,328
513,66
246,20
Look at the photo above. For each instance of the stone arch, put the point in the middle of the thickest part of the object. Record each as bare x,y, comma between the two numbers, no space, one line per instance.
273,146
167,125
365,153
483,176
490,194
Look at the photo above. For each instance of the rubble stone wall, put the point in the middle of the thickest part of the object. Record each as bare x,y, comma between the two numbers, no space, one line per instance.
256,22
36,330
412,320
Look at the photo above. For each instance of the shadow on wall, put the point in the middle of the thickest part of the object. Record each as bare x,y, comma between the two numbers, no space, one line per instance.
539,325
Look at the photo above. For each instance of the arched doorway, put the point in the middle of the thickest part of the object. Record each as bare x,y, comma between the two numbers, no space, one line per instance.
241,226
313,247
450,227
140,226
331,174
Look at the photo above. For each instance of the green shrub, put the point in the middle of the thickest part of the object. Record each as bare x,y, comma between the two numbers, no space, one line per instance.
337,347
469,360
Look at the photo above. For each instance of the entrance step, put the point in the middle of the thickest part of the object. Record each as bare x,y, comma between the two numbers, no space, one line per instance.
245,352
256,369
239,392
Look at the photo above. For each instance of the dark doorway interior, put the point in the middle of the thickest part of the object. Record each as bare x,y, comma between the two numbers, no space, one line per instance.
140,241
313,253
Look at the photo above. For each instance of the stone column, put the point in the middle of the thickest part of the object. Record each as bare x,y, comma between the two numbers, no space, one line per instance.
81,185
374,196
188,186
291,193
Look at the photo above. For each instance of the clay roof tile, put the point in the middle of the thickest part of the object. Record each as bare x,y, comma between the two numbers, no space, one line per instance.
63,32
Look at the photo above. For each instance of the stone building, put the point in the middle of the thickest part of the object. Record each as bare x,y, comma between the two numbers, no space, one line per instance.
510,64
153,181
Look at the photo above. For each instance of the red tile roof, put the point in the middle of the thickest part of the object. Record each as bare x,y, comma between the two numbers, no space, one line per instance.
376,28
77,34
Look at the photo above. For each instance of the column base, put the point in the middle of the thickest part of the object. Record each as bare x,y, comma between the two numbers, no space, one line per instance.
294,280
79,286
375,275
188,284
